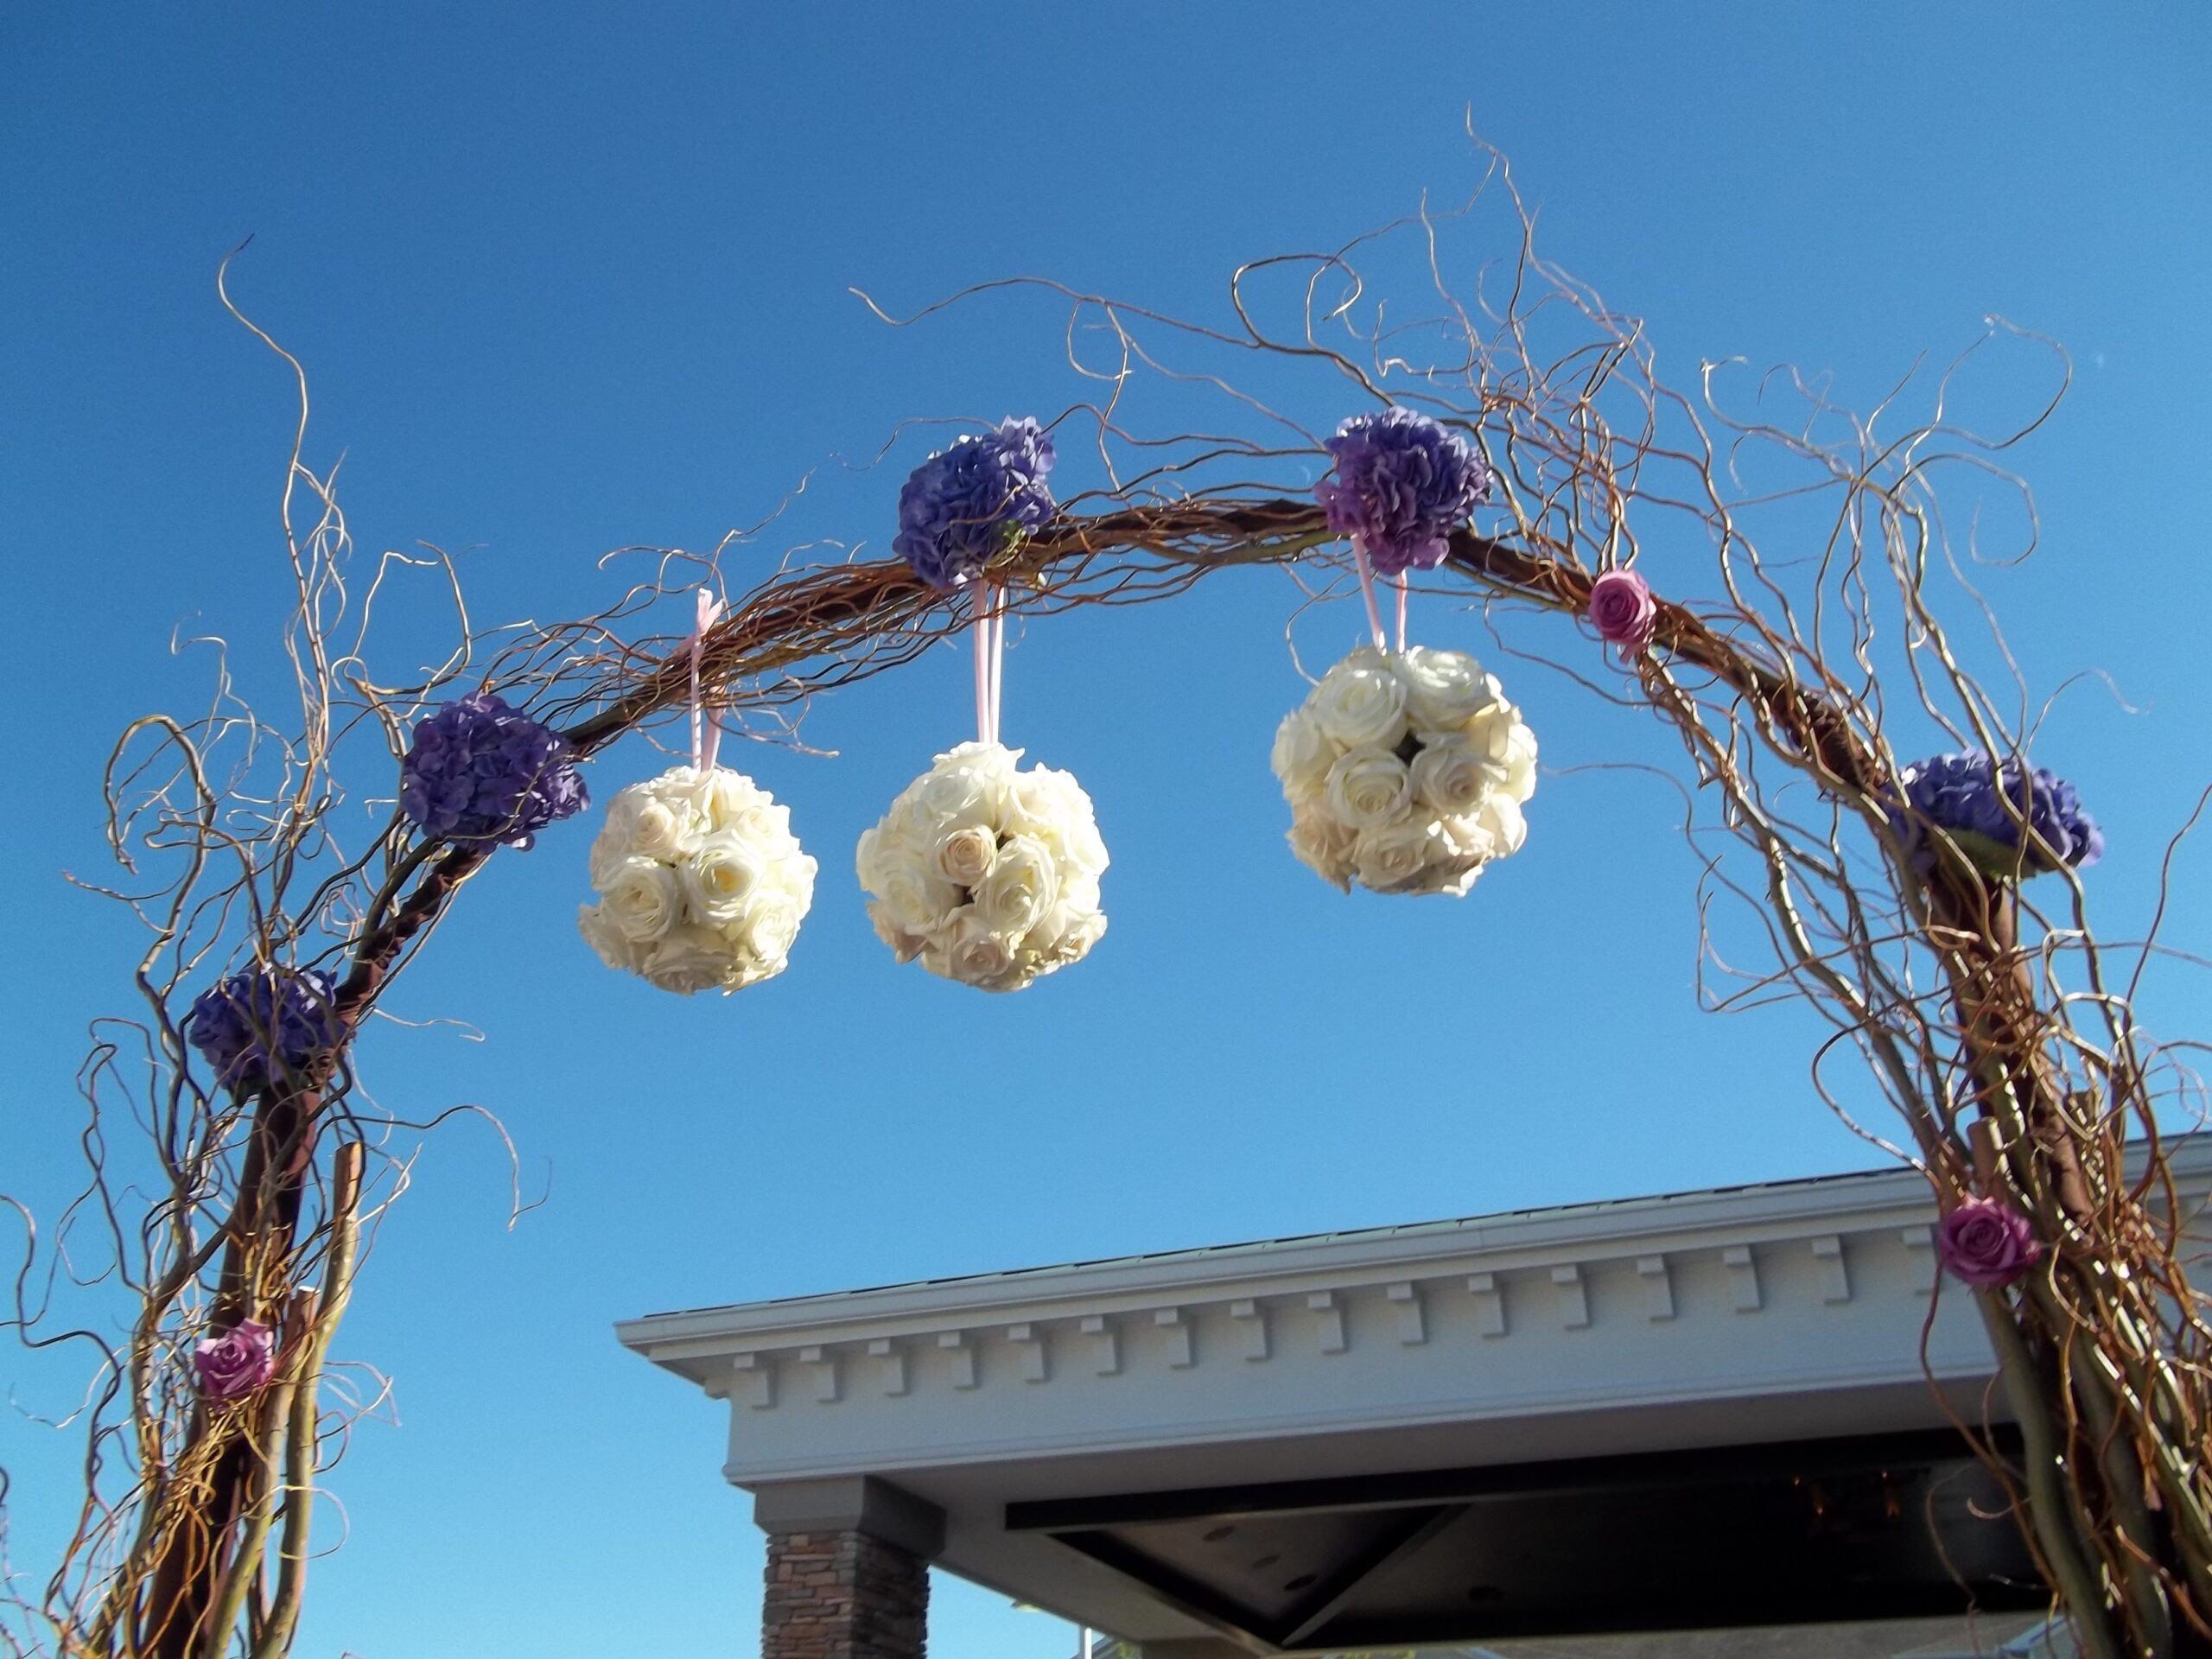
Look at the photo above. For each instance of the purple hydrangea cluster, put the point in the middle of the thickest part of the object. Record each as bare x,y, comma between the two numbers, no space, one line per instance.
959,508
261,1022
1979,801
481,771
1402,484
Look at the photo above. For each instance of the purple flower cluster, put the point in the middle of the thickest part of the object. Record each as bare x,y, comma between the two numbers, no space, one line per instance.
237,1363
1986,1242
1979,802
481,771
959,508
1402,484
263,1022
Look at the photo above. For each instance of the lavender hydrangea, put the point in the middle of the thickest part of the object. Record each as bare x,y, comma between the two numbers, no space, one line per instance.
263,1022
960,507
1979,802
481,771
1402,484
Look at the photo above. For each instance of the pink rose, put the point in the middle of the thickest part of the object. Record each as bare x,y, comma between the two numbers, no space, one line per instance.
237,1363
1986,1242
1622,610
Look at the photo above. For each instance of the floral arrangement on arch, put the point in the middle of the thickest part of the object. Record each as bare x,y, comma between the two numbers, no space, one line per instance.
701,884
1406,771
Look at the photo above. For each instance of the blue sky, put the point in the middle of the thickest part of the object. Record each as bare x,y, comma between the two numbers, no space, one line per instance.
569,278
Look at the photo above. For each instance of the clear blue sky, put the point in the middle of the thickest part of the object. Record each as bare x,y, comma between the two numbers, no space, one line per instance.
569,278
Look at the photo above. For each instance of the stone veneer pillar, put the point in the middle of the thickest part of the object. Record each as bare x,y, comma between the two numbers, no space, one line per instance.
847,1572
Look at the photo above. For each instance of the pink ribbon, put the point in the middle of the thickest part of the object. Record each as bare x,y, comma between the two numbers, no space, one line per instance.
990,627
1366,592
705,730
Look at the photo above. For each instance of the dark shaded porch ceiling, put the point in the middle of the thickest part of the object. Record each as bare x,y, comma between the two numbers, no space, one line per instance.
1887,1527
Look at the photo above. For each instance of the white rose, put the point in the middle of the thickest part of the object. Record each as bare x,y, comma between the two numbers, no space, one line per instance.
1360,702
771,929
965,857
1368,786
641,900
880,846
904,945
917,898
969,951
1444,689
1022,889
1506,828
1393,857
1520,762
1452,776
650,826
1052,807
693,958
722,797
1302,755
1072,933
1324,846
613,948
965,786
720,877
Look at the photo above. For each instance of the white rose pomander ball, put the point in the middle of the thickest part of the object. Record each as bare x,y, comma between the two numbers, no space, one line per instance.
1406,771
987,874
702,885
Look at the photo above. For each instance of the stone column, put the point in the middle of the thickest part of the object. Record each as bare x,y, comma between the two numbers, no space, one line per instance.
848,1569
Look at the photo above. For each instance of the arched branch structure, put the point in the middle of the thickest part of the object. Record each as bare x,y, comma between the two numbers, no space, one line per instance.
1997,1030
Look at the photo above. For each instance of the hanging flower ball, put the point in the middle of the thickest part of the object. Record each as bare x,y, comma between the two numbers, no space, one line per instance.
477,770
236,1363
263,1024
1402,484
1986,1242
1406,771
702,885
1623,611
988,874
962,507
1979,802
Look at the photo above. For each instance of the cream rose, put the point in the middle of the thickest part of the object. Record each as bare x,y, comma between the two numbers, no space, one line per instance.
1394,857
641,900
612,949
974,953
1444,689
1324,846
916,895
904,945
967,785
1022,889
964,857
719,880
693,959
1360,702
1368,786
1302,756
1452,776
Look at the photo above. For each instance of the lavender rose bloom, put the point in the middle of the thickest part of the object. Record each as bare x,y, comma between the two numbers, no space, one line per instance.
263,1022
959,508
1986,1243
1622,610
1977,801
1402,484
237,1363
481,771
